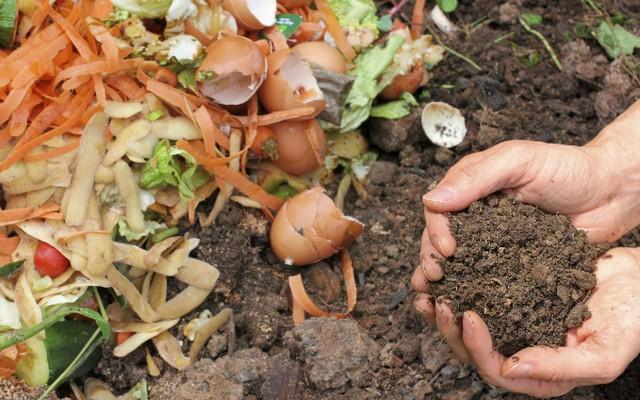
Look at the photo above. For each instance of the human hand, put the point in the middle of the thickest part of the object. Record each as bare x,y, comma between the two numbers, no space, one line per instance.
595,353
597,186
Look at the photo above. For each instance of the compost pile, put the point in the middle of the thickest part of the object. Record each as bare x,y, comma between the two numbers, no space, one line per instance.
527,273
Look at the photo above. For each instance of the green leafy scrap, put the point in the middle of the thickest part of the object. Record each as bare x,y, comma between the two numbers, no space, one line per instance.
447,6
395,109
616,40
171,166
531,19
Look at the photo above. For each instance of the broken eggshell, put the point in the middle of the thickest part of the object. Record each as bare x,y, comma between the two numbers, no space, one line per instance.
290,84
443,124
252,15
309,228
322,54
296,154
409,82
234,69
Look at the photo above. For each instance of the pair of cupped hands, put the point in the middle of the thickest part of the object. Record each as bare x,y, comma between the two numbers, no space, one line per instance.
598,187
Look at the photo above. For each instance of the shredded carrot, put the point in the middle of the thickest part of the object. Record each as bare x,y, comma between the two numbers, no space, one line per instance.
167,76
191,29
146,66
303,301
251,131
109,48
95,67
208,128
113,94
236,179
30,73
101,94
334,28
8,244
20,117
126,85
12,102
16,215
417,19
76,38
67,148
122,337
101,9
174,97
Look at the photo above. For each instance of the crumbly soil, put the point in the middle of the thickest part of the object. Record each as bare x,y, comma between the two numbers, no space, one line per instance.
266,359
527,273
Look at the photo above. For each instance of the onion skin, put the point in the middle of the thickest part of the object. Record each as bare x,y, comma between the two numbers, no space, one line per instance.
323,54
296,155
309,228
409,82
275,93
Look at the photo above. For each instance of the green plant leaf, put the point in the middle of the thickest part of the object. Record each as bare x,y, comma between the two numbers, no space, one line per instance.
531,19
616,40
447,5
385,23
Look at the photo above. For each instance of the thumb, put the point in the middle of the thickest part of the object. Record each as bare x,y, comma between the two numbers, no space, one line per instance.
586,363
503,166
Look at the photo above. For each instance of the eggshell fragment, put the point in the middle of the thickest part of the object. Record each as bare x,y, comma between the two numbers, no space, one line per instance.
409,82
252,15
237,68
296,154
309,228
443,124
323,54
290,84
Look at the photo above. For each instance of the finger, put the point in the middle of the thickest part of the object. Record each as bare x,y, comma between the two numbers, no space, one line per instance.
424,305
502,166
477,340
440,233
586,363
450,329
419,282
428,259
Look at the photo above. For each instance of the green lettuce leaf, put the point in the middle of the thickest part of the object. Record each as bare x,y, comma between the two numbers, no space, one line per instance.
144,8
395,109
150,228
369,67
358,18
616,40
171,166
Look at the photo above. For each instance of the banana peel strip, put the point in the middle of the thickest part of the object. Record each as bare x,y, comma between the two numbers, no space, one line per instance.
302,303
139,338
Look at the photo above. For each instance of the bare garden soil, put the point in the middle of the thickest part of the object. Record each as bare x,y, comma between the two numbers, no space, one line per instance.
386,351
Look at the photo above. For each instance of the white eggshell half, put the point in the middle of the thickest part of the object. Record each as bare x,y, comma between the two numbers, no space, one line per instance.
443,124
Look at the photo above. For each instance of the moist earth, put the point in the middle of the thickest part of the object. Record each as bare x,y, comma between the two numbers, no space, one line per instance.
527,273
505,100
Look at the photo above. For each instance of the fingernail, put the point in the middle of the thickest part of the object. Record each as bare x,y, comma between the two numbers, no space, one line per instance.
424,264
444,319
519,371
418,307
441,194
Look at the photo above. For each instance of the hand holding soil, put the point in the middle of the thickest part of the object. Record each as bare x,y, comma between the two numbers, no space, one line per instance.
595,353
591,185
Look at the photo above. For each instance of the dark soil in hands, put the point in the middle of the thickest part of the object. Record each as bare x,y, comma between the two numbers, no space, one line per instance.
527,273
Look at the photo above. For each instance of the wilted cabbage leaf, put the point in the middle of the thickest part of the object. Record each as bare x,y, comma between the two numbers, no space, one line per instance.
165,168
395,109
144,8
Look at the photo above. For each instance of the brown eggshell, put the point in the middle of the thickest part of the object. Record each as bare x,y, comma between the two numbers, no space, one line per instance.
290,4
409,82
296,155
309,228
243,11
287,70
236,58
323,54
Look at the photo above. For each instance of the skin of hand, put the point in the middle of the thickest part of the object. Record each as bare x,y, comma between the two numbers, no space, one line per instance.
597,186
595,353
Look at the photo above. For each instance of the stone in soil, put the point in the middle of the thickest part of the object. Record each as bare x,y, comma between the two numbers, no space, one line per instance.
527,273
392,136
335,352
225,378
